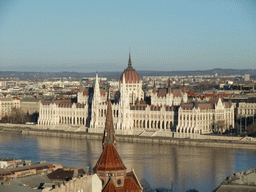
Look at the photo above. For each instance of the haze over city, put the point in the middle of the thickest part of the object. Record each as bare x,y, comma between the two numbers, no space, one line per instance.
89,36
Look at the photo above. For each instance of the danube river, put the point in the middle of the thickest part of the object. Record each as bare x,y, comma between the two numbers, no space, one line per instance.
167,166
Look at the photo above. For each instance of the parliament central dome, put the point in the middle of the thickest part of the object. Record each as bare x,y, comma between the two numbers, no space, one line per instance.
131,76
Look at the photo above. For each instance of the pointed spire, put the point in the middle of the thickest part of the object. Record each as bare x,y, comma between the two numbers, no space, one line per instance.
96,81
169,90
108,90
80,86
183,88
129,61
154,87
109,132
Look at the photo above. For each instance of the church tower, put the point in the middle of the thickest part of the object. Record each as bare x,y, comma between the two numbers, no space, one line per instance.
110,167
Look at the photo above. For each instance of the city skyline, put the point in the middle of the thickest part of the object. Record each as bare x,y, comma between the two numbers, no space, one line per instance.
94,36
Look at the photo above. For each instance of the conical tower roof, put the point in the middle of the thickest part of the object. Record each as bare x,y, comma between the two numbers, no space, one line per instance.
169,89
154,87
109,132
109,159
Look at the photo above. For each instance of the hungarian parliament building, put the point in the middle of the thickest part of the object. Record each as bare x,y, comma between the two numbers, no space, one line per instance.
169,110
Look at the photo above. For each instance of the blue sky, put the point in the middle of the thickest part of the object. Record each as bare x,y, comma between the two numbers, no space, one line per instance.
89,36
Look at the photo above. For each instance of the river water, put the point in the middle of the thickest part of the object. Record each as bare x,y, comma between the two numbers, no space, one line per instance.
167,166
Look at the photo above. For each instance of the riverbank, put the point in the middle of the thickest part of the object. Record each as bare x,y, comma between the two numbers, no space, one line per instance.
238,143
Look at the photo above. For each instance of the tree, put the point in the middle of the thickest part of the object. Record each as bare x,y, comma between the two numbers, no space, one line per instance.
251,129
16,117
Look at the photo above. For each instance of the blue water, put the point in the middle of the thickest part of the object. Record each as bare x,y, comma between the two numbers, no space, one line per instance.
167,166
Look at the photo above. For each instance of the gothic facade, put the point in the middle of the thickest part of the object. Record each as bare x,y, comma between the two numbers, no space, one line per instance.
204,118
131,112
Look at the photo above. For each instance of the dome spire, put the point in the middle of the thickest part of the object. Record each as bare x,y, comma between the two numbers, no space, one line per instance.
129,61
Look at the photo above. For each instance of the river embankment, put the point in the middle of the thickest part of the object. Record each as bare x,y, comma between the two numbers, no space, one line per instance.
212,141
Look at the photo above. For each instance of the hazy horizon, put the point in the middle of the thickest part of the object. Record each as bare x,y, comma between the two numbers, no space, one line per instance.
120,71
84,36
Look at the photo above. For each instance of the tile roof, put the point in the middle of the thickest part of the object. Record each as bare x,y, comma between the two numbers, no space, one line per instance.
109,160
110,187
131,76
131,183
102,92
14,188
61,174
32,181
161,93
37,167
176,93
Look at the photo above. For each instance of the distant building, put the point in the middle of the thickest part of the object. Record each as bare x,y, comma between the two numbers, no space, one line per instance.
244,181
8,83
247,77
246,109
30,105
18,175
131,113
7,104
168,96
205,117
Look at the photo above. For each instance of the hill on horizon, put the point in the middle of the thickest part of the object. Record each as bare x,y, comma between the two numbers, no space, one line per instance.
116,74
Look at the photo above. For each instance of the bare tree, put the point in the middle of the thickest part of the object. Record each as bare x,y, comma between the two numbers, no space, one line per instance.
16,117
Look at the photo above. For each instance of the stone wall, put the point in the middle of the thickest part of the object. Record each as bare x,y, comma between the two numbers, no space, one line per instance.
215,142
90,183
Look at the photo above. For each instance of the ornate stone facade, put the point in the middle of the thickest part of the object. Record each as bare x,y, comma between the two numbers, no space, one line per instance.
58,112
246,109
203,118
131,113
169,96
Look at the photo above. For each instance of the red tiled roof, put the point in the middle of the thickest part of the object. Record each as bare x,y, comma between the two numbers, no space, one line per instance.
131,183
102,92
57,102
154,90
214,100
190,93
131,76
213,95
205,106
86,92
168,108
37,167
187,105
109,160
110,187
161,93
190,106
176,93
61,174
228,104
154,108
79,105
169,90
138,107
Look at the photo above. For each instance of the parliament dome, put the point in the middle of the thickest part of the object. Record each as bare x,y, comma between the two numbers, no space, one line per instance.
131,76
